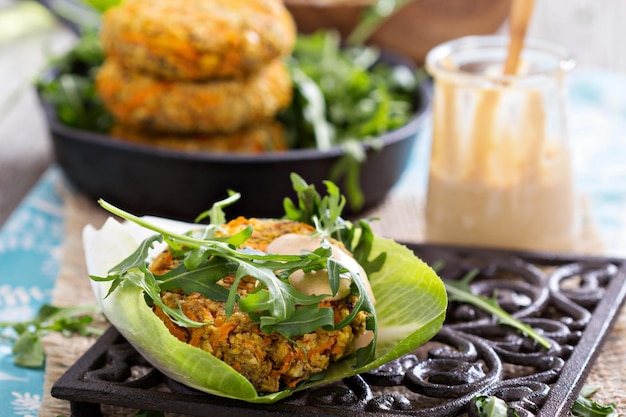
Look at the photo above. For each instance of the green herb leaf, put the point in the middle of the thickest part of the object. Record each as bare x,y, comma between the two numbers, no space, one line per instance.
372,18
102,5
216,213
68,85
361,251
325,214
202,279
494,407
28,349
460,291
584,406
138,258
345,96
305,319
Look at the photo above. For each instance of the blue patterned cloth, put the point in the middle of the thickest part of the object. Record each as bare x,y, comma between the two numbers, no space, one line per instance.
31,240
30,250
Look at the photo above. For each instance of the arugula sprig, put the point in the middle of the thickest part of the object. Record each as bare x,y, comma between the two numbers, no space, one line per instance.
68,85
324,213
345,95
28,348
275,304
460,291
493,406
584,406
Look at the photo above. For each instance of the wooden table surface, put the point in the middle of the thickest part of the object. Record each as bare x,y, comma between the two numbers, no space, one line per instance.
593,30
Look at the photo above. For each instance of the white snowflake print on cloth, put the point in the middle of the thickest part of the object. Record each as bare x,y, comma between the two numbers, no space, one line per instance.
25,404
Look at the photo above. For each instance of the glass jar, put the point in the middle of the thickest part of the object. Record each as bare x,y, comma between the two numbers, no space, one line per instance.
500,170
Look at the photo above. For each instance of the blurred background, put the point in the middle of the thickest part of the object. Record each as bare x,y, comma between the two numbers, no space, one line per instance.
29,36
593,30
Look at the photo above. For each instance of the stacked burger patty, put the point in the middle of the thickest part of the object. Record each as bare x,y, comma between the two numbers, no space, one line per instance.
197,74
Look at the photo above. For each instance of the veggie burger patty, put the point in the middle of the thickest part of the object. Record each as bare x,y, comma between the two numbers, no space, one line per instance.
269,361
262,137
221,106
199,39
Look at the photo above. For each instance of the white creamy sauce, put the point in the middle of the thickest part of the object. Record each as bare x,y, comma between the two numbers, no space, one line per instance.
317,283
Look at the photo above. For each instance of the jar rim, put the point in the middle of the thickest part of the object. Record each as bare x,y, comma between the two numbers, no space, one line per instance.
438,59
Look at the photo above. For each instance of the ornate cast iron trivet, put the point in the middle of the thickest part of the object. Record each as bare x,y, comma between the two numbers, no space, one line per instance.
573,301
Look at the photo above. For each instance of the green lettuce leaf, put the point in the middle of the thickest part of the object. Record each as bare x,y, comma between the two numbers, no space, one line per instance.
410,304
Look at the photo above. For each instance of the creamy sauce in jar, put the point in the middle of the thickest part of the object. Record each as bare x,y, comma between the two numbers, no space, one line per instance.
500,171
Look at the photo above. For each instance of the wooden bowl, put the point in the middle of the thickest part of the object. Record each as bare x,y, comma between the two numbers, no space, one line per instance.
413,30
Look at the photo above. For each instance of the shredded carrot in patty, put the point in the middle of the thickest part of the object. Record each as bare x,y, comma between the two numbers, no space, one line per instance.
225,330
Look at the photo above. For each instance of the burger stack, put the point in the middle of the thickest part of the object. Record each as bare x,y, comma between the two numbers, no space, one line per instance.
197,74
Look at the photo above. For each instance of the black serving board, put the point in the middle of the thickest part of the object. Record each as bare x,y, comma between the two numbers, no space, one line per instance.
571,300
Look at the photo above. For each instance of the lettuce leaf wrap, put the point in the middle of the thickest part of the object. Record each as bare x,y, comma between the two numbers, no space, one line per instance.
410,306
404,301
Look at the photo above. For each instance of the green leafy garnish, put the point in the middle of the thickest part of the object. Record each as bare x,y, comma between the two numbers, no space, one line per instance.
493,407
372,18
345,96
69,86
325,215
102,5
584,406
460,291
28,349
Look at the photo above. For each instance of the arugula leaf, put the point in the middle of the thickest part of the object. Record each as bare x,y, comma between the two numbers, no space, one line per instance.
374,16
102,5
345,96
493,407
322,213
138,258
363,247
362,97
68,85
305,319
202,279
135,261
460,291
216,213
28,348
144,279
325,215
584,406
